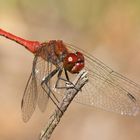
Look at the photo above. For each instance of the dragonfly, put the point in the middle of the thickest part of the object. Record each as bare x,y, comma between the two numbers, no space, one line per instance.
56,63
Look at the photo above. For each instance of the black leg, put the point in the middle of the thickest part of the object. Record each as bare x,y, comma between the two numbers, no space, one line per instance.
66,74
45,81
60,78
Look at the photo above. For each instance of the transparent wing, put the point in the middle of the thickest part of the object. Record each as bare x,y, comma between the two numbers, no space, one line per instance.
34,93
29,99
42,69
108,89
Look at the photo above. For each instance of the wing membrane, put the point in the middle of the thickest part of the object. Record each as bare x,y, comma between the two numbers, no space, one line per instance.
108,89
43,68
29,99
34,93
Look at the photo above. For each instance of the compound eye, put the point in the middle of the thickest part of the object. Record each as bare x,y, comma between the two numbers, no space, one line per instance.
78,53
74,62
72,58
80,56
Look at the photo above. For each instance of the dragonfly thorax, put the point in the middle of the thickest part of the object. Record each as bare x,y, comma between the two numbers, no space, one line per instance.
56,52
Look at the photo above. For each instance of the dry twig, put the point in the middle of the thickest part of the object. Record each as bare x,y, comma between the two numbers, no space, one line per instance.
79,82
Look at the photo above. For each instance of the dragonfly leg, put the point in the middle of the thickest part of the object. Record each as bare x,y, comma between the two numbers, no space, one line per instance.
66,74
59,78
69,84
45,81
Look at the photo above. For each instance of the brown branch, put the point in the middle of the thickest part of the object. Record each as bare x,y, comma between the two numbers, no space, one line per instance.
79,82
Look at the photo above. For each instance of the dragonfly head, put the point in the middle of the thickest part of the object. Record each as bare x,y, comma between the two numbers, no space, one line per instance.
74,62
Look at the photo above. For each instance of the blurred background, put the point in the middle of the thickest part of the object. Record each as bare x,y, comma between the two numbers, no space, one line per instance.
108,29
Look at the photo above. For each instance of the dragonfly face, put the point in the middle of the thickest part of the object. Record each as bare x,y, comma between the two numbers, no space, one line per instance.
74,62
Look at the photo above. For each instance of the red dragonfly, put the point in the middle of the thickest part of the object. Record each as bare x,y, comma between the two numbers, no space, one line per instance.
54,65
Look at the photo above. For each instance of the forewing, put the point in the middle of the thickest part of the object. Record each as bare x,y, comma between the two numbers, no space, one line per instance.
108,89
